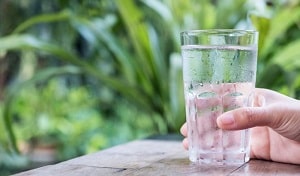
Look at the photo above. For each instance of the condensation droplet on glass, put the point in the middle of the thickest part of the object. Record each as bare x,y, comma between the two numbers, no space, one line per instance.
206,95
190,87
235,94
201,84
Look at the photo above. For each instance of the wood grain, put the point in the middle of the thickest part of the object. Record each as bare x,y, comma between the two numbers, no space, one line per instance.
154,157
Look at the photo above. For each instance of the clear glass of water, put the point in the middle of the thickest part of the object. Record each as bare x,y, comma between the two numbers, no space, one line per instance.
219,73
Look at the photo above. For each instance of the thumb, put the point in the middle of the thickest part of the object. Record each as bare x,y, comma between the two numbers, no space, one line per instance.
243,118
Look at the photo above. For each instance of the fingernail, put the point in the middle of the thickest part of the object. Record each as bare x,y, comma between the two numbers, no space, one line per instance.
227,119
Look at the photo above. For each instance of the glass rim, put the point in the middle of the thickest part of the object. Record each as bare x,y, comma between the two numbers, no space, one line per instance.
218,31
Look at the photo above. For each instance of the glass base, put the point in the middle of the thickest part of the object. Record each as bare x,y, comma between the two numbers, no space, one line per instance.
220,158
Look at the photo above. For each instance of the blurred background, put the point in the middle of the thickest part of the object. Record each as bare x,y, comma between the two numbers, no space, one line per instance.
78,76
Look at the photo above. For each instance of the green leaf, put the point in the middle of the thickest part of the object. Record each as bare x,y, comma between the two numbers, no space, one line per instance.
262,25
44,18
160,9
137,29
278,26
159,64
228,12
176,91
209,16
288,57
98,29
270,76
129,65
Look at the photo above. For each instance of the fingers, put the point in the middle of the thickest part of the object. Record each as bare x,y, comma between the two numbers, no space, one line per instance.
183,130
277,111
185,143
243,118
260,115
282,117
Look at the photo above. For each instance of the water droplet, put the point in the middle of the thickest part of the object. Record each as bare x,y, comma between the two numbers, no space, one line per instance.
235,94
206,95
201,84
215,108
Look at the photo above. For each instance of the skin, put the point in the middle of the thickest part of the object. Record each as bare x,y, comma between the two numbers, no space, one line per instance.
274,123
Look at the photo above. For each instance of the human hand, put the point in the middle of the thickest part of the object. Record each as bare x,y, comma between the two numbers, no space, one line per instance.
276,132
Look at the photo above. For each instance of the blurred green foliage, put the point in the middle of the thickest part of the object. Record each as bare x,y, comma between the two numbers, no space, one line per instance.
71,117
278,53
84,75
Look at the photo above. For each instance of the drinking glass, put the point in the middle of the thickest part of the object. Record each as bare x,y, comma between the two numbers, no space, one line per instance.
219,73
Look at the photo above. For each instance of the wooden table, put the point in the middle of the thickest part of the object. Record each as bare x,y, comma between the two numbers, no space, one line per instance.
154,157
